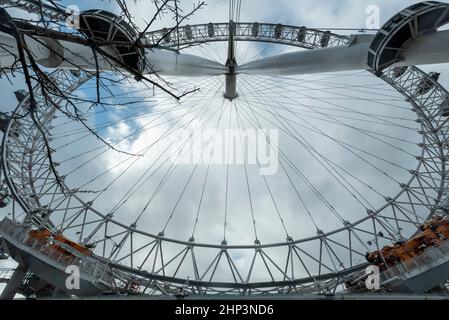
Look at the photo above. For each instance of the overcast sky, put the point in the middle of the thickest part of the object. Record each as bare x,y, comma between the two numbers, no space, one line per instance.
304,93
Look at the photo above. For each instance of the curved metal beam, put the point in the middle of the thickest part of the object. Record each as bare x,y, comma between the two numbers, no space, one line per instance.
406,26
77,56
190,35
430,48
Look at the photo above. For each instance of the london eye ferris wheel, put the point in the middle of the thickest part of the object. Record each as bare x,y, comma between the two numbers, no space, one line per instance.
239,158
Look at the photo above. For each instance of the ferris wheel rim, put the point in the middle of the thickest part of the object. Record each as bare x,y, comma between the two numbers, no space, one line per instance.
225,246
219,246
197,34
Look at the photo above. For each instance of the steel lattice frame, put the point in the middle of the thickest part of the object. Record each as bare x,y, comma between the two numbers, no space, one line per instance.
261,32
27,172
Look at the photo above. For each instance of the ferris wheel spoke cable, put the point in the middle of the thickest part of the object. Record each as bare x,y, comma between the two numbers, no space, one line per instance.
166,176
313,128
252,53
234,10
167,101
364,133
307,181
347,146
385,122
317,77
311,107
195,102
135,133
225,222
140,114
339,96
203,188
331,75
107,149
113,210
301,107
77,135
284,170
308,115
339,86
104,189
166,135
248,187
169,171
258,104
86,115
210,52
338,93
265,47
299,81
358,179
242,55
191,175
281,219
326,87
136,188
370,187
314,152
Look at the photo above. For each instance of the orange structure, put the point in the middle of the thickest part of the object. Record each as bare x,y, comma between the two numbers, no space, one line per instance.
54,241
433,233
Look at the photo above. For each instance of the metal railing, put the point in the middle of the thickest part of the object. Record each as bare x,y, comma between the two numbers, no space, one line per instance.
96,270
420,262
6,274
243,31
